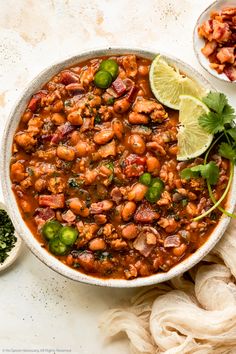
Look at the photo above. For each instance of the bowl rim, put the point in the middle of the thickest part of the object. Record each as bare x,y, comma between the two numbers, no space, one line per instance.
22,229
195,39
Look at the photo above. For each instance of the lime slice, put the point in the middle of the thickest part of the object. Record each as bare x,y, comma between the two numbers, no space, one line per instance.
192,139
167,83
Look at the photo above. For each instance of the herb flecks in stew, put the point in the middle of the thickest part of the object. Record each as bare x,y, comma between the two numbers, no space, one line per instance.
95,173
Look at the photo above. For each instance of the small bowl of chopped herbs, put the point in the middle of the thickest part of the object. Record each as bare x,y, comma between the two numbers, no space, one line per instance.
10,242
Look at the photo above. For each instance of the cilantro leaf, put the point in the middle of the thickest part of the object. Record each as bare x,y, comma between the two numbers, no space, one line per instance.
188,173
216,101
209,172
221,113
211,122
228,114
228,151
232,133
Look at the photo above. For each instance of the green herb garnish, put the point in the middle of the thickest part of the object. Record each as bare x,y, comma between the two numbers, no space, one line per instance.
73,183
221,113
218,120
209,172
97,119
7,236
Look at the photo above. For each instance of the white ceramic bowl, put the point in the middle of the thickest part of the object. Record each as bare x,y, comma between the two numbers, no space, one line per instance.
20,225
15,251
198,43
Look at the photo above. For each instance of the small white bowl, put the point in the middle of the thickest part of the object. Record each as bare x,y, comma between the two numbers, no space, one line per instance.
15,214
198,42
15,251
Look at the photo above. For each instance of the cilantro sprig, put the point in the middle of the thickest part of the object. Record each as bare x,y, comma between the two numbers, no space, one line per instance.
221,113
208,171
219,119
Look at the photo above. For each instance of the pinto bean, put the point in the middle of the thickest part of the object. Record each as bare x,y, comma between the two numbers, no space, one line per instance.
128,210
58,106
95,101
143,70
97,244
58,118
138,192
27,116
178,251
40,184
81,149
137,144
103,137
118,128
69,260
138,118
78,207
173,150
130,231
122,105
65,153
75,118
75,137
18,172
153,164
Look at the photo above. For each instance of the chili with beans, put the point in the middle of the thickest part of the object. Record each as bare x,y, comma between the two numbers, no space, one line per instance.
95,173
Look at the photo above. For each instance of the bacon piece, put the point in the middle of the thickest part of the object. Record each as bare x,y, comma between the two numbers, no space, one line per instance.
119,86
209,48
229,11
146,214
100,207
141,245
206,29
230,72
67,77
69,216
86,261
221,31
134,165
218,67
75,86
172,241
53,201
36,100
61,132
226,54
45,213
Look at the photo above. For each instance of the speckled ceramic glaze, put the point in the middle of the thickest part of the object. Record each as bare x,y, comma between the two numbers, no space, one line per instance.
10,200
198,43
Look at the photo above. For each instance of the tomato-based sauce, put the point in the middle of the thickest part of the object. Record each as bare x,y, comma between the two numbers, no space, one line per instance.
102,161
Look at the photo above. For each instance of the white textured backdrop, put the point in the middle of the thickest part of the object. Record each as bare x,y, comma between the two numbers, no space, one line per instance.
38,308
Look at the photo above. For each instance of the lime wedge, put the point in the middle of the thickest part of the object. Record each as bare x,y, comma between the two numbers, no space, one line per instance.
167,83
192,139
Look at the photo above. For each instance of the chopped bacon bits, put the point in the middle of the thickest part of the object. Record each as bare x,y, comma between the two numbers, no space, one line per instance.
219,35
53,201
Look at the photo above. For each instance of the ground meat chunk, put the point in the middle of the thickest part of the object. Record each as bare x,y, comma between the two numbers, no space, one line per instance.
146,214
56,185
25,140
152,108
